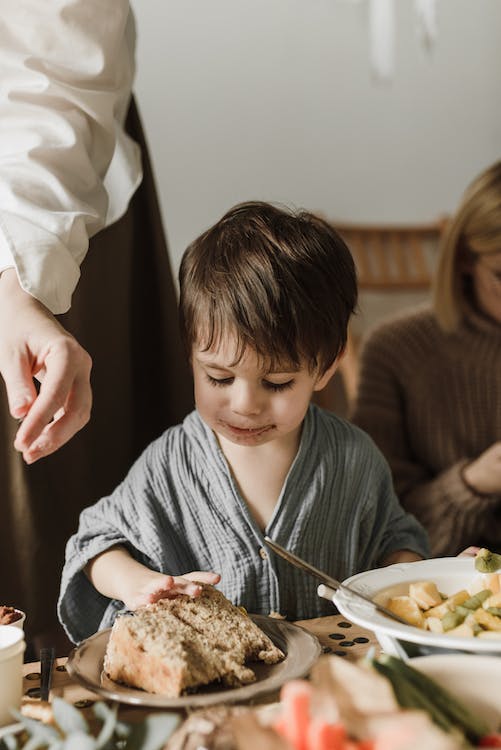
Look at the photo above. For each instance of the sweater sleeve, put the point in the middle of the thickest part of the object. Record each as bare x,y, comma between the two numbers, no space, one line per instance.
451,512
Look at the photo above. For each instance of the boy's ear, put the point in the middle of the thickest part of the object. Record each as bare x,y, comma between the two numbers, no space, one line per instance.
327,375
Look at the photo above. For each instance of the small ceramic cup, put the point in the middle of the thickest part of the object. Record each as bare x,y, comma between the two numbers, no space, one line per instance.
21,616
19,623
12,646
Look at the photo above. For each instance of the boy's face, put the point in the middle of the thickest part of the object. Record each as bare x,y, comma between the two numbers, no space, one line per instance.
249,405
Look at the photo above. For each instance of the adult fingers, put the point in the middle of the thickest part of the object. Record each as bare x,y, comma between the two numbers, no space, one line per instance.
469,552
21,392
65,390
67,421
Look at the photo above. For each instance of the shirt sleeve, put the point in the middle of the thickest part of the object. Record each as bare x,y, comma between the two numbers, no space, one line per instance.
67,72
385,526
128,517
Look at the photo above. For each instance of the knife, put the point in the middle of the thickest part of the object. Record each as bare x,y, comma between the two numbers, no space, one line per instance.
328,581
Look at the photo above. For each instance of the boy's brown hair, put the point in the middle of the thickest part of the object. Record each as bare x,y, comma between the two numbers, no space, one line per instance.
283,283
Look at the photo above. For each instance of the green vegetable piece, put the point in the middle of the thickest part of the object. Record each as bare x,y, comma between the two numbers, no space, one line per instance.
408,696
476,601
453,619
457,713
494,611
487,561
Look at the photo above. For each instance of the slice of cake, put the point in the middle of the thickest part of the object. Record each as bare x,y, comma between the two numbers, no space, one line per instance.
180,644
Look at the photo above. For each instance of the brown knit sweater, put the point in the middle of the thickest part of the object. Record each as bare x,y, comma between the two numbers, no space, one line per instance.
432,403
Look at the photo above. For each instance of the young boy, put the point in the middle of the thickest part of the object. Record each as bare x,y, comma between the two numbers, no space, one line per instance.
266,296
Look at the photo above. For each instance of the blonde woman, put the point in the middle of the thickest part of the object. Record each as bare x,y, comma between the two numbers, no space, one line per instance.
430,384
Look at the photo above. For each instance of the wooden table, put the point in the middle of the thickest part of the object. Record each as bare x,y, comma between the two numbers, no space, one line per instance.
336,635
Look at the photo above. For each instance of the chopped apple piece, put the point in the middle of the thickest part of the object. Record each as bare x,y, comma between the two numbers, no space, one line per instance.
407,608
425,594
449,605
434,624
439,611
462,631
488,621
492,601
490,581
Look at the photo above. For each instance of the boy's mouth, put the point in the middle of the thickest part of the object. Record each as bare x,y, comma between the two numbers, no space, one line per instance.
249,431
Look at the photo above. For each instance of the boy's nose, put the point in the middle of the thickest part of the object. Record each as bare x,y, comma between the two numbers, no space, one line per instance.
245,400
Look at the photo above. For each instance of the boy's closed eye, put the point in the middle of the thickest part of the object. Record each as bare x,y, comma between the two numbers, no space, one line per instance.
268,384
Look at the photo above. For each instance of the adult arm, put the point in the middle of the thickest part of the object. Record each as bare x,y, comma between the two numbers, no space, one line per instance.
34,344
66,78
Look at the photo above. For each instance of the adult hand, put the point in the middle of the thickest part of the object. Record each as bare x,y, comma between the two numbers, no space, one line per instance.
34,345
484,474
469,552
155,586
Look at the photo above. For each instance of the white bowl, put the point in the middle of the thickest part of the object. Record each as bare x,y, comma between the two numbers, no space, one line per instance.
472,679
451,574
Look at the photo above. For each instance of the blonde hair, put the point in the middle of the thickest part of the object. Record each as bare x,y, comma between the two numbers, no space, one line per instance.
474,230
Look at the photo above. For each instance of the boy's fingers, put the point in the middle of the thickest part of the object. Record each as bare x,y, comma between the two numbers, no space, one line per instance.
203,576
189,583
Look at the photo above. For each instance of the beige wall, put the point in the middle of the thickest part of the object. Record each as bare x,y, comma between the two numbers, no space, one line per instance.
274,99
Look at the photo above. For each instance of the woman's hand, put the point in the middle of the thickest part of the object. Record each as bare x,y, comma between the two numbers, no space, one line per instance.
34,345
469,552
157,586
484,474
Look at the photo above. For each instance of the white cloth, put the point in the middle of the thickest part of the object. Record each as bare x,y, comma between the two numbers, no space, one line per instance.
67,168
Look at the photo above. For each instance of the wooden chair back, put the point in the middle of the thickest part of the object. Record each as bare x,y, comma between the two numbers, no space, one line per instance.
393,257
388,258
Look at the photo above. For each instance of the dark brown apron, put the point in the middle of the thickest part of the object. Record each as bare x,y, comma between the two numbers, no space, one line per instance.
124,312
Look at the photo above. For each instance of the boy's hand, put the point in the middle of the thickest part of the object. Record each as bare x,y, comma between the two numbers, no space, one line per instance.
155,586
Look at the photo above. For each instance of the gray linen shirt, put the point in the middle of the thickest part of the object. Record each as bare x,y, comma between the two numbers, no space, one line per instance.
179,510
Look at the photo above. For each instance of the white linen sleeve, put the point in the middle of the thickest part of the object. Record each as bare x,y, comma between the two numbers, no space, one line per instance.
67,71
